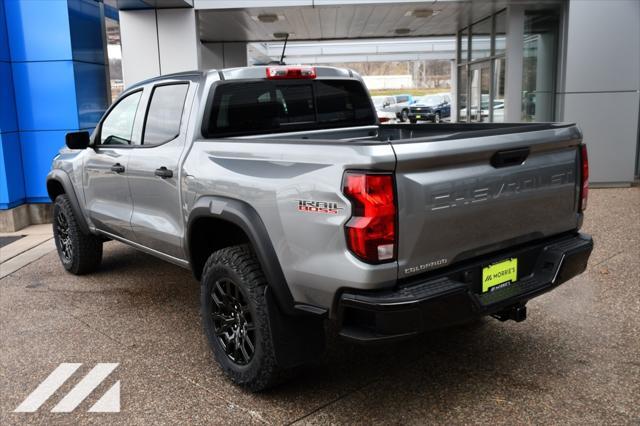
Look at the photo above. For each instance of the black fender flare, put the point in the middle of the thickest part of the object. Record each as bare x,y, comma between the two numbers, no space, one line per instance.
63,179
246,218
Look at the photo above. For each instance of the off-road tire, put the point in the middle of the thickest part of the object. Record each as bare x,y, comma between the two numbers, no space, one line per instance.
240,265
86,249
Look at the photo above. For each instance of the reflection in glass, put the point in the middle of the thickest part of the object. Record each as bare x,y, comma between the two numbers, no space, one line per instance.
499,66
464,45
117,128
539,64
501,33
114,54
474,105
480,88
481,39
462,93
481,84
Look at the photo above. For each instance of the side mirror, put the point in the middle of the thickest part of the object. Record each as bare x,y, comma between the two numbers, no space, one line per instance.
77,140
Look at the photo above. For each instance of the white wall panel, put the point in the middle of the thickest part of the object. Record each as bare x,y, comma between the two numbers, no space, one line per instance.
609,123
603,46
223,55
178,36
139,45
211,56
602,83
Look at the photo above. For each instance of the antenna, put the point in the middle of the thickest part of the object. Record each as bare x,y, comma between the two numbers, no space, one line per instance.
286,38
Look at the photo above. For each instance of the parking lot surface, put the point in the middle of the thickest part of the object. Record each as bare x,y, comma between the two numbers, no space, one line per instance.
575,360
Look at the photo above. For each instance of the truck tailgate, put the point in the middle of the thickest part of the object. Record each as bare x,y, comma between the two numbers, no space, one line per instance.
460,198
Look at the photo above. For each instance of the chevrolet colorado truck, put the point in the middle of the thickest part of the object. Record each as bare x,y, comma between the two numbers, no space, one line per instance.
293,207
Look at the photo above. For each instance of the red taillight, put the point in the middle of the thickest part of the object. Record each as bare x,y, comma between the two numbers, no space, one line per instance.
371,231
283,73
584,178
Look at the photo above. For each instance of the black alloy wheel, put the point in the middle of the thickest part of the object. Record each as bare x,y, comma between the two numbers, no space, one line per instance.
62,229
232,321
79,252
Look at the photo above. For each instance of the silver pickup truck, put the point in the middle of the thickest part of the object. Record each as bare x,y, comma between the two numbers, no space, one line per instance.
279,190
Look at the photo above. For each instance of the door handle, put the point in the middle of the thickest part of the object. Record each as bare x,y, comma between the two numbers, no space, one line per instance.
164,173
118,168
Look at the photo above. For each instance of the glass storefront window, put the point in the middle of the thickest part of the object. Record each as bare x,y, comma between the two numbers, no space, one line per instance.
539,65
474,101
462,93
481,39
463,46
500,42
499,66
481,78
480,91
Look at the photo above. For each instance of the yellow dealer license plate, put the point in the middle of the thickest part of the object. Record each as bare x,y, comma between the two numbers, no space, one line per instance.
499,275
418,116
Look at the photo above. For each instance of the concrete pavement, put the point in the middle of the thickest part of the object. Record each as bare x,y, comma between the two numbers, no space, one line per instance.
574,361
33,242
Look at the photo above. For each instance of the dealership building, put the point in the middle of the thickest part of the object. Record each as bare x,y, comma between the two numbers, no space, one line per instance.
515,60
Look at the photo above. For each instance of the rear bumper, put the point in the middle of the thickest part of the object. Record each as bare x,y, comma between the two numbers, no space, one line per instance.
454,296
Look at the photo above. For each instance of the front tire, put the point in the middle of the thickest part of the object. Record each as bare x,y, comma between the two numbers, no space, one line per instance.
437,118
404,115
235,318
79,253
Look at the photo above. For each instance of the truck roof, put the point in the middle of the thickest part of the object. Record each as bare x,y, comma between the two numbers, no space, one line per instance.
253,72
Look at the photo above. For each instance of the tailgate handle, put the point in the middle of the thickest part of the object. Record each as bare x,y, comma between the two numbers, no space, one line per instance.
511,157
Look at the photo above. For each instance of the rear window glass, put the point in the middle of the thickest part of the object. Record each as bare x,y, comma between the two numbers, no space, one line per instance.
283,106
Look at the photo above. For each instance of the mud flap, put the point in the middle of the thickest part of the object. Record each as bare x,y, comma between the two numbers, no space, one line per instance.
298,339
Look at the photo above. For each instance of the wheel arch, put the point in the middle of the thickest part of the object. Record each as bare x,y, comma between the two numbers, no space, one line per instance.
58,183
218,222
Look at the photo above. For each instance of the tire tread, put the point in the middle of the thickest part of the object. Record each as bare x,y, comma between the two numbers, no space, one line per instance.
264,372
87,248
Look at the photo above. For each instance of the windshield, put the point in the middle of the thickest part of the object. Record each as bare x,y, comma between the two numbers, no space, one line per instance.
254,107
430,100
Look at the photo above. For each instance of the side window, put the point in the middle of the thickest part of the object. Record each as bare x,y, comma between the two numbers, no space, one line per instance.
118,126
402,99
165,114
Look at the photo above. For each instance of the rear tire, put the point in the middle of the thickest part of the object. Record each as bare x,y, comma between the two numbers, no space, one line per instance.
235,318
79,253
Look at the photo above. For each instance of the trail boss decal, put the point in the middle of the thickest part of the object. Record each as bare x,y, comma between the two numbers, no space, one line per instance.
327,207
